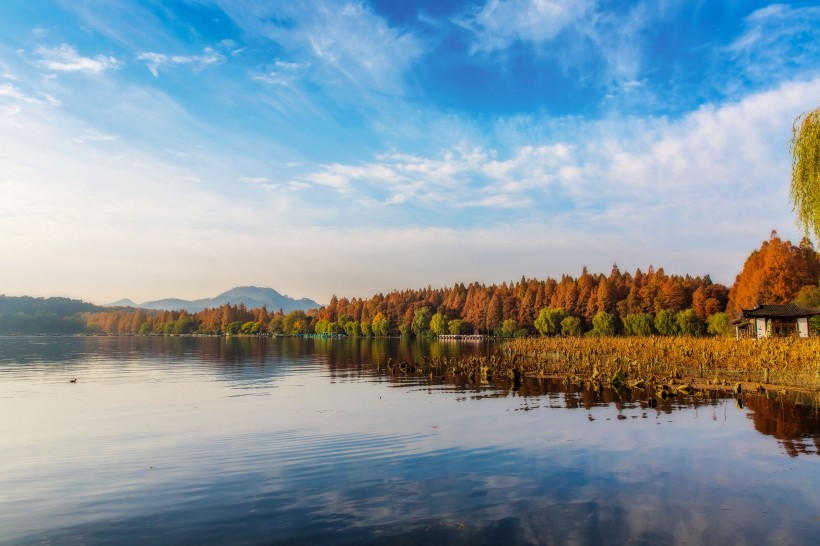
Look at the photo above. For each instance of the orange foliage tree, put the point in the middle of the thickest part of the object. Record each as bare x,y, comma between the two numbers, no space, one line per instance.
774,274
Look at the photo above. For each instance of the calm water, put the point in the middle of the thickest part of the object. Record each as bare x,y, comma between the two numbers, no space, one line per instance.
244,441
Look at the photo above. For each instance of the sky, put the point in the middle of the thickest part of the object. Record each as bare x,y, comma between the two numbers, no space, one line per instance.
179,148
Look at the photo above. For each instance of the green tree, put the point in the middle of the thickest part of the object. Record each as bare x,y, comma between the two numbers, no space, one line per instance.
405,330
719,325
421,321
604,324
250,328
275,326
233,328
352,328
809,296
322,327
549,320
379,325
805,185
366,331
508,328
571,326
666,323
438,324
295,322
185,324
341,326
640,324
688,323
456,327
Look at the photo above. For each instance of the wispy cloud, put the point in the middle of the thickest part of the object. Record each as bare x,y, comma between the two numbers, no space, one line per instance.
10,91
718,162
462,176
499,23
777,41
91,135
282,73
581,36
345,43
65,58
155,61
405,148
260,182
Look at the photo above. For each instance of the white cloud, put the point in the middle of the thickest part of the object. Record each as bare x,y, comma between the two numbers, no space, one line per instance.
155,61
580,35
230,47
282,73
65,58
10,91
259,181
716,177
344,42
499,23
460,176
91,135
693,194
777,40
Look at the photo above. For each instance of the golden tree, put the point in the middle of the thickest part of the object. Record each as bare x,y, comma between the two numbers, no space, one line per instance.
805,187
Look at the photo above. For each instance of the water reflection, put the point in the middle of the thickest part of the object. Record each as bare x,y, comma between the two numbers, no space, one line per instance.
246,441
795,424
244,362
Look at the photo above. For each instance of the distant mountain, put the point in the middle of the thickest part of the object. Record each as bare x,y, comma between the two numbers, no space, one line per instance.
125,302
24,315
251,296
62,307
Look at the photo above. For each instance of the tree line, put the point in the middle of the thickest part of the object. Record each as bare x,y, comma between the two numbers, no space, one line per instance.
29,315
639,303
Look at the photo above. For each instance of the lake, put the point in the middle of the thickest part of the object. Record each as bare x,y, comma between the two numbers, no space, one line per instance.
308,441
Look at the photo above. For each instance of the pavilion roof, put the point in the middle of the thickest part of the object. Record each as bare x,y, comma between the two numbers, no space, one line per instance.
786,310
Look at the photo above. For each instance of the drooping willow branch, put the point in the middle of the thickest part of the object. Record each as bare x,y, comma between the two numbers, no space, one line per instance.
805,187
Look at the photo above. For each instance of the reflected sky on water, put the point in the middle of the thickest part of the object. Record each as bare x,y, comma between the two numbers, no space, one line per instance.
246,441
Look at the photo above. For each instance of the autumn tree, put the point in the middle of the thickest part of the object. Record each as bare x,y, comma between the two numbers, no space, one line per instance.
774,274
379,325
295,322
709,299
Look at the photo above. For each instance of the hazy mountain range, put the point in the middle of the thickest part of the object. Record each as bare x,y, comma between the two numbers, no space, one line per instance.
251,296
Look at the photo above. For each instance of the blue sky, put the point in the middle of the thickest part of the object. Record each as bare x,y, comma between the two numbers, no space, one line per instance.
154,149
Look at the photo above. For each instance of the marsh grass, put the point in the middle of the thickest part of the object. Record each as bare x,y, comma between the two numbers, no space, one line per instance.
787,362
654,369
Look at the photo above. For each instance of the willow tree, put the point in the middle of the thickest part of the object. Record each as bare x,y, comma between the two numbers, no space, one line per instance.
805,188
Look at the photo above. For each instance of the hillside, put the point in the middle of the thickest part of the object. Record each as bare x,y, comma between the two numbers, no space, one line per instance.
28,315
251,296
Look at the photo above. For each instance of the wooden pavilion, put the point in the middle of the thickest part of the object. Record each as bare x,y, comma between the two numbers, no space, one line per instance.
782,320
